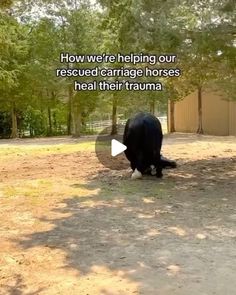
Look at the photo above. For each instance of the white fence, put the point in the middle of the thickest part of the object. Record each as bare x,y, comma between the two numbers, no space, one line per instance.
99,126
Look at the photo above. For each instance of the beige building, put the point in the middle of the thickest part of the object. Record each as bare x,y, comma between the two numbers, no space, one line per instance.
219,114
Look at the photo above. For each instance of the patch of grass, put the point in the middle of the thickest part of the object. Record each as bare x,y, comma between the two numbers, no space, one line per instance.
37,150
9,191
129,189
35,190
29,188
135,189
144,186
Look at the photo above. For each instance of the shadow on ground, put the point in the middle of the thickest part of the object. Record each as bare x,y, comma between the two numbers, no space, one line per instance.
171,236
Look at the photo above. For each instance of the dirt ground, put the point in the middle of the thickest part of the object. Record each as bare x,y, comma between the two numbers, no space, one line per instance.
68,225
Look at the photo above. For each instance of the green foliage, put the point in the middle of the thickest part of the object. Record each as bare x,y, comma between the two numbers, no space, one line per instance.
5,4
5,125
34,33
13,50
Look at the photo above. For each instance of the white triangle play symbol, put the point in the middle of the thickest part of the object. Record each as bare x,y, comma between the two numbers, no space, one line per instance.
117,147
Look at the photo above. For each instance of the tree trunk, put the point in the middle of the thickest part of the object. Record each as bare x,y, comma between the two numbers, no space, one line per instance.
14,129
31,131
69,114
55,122
200,127
49,122
172,116
152,106
76,117
114,115
76,121
42,126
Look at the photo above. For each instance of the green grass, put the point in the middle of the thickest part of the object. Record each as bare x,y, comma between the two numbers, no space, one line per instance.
43,188
27,150
131,189
150,188
7,151
28,188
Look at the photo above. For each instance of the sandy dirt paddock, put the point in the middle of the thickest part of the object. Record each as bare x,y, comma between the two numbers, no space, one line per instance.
70,226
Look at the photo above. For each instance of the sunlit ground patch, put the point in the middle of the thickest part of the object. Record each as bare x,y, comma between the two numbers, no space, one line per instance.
41,188
8,151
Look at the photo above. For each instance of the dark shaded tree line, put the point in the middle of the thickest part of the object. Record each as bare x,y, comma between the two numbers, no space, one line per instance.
34,33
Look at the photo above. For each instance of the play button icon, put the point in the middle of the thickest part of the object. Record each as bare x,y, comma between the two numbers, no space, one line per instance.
109,149
117,147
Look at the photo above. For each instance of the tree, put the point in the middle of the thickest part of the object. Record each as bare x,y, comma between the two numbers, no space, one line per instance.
82,35
44,88
120,35
13,53
200,33
203,47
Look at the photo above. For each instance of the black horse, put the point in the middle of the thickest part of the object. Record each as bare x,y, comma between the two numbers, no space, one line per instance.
143,139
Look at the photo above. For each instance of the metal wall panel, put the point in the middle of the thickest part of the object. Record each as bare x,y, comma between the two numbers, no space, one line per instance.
219,114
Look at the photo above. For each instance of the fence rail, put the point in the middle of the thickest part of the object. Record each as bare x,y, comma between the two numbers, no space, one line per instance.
99,126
